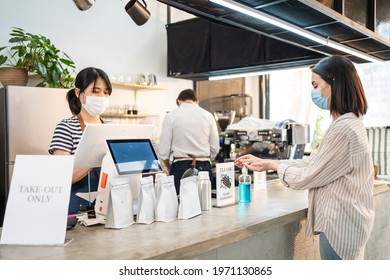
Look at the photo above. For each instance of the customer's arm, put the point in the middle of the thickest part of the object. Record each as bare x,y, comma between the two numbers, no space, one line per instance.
330,163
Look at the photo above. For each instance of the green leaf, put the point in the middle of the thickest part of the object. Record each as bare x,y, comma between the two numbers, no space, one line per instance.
42,70
3,59
68,62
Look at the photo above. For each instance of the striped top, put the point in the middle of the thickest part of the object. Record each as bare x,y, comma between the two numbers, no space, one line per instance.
66,135
339,178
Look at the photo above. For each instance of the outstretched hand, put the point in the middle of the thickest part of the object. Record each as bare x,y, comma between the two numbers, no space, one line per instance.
256,164
246,160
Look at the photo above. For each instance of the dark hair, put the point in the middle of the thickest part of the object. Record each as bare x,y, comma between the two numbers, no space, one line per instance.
83,79
187,94
347,91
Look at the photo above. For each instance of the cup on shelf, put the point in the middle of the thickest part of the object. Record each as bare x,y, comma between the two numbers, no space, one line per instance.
113,77
128,109
135,109
128,79
152,81
141,80
121,79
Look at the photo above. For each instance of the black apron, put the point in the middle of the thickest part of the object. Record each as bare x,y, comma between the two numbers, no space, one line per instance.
77,204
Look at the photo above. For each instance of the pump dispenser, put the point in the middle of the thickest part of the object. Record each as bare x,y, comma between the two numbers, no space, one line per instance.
244,186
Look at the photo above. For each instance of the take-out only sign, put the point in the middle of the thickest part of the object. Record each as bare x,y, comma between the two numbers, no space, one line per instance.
38,200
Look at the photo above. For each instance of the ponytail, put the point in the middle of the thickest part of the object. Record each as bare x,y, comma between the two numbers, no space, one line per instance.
73,102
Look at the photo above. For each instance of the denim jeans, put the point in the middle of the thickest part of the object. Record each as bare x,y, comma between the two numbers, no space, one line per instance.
326,251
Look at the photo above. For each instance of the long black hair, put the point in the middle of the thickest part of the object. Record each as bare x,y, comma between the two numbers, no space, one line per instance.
83,79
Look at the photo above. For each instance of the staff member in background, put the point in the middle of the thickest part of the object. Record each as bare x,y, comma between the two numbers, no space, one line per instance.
339,175
189,132
87,101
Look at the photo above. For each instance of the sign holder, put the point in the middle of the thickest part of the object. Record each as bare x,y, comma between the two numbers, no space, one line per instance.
225,184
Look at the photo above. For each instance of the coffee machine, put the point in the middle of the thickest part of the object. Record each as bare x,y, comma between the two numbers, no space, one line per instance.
286,140
224,118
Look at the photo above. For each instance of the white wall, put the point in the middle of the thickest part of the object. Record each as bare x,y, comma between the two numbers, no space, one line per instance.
105,37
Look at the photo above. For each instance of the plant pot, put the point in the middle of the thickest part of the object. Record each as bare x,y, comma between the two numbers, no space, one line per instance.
13,76
34,79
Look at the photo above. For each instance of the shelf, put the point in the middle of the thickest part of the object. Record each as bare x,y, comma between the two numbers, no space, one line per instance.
135,86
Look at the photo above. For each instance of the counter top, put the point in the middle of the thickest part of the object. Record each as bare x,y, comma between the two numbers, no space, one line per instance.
270,208
179,239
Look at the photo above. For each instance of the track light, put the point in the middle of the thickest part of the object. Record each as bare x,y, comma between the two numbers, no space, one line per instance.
83,5
138,12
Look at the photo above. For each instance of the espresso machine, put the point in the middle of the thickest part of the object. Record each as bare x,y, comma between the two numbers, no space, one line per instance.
286,140
224,118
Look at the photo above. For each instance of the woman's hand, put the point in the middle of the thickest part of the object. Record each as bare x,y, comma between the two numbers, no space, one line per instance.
246,159
256,164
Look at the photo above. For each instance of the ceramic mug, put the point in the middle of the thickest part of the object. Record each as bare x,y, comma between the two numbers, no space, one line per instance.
137,12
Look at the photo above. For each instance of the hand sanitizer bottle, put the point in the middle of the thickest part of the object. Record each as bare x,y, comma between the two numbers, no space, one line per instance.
244,187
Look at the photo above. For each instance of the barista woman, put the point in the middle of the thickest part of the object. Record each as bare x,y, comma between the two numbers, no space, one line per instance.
87,101
339,175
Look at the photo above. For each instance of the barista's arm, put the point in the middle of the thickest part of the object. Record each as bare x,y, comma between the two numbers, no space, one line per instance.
78,173
167,165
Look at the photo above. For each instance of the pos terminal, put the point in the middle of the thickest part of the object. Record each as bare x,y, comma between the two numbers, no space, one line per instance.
126,159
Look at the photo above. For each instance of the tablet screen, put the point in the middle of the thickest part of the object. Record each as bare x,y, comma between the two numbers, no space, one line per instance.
134,156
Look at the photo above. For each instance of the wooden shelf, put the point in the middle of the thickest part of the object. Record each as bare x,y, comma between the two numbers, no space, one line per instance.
135,86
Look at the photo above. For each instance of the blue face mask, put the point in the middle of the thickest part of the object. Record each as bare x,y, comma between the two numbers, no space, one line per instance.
318,99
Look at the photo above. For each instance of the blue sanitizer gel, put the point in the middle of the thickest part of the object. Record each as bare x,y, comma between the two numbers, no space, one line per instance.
244,192
244,187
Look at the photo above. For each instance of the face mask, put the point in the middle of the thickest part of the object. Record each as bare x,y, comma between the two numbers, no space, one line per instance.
318,99
96,105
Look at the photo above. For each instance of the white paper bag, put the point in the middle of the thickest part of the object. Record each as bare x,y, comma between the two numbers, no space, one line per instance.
146,201
157,182
120,205
167,203
189,205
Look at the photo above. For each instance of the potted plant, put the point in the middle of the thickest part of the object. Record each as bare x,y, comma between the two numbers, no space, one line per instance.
36,54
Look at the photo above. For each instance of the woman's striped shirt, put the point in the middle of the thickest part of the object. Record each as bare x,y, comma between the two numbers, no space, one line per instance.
66,136
340,181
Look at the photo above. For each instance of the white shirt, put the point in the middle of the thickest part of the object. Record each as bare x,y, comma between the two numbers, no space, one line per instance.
189,130
340,180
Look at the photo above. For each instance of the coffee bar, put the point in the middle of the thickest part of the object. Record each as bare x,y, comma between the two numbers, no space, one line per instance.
254,70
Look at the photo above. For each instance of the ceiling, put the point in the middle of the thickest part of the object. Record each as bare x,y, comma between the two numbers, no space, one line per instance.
308,15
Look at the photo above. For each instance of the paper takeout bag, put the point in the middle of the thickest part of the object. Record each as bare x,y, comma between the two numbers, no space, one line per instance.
167,204
189,205
120,205
146,201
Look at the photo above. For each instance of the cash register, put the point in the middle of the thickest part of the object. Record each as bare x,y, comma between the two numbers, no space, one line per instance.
128,159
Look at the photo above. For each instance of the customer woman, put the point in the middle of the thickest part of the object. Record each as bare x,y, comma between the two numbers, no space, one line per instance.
87,101
339,175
